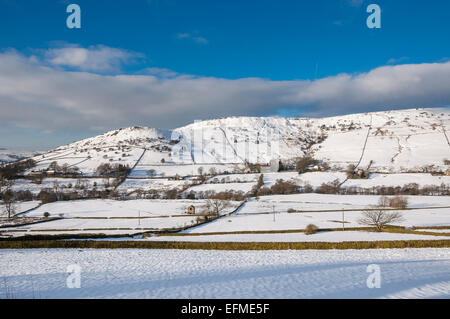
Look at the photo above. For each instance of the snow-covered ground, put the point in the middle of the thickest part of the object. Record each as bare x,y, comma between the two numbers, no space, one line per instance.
266,214
63,184
114,208
444,231
170,170
148,273
316,179
326,236
22,206
112,216
226,187
395,141
88,159
324,211
395,180
326,201
287,221
158,184
102,226
9,155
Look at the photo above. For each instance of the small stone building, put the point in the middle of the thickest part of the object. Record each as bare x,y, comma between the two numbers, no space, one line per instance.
191,209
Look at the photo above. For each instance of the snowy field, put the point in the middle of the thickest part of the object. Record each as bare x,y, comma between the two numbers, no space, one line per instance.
87,160
297,221
269,213
23,206
311,201
398,180
159,184
138,273
316,179
63,184
170,170
324,211
226,187
71,225
114,208
326,236
111,216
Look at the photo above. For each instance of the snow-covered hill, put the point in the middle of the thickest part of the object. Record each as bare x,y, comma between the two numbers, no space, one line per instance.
392,141
7,155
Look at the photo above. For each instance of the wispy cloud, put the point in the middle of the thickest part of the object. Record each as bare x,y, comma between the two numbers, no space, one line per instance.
398,60
192,36
355,3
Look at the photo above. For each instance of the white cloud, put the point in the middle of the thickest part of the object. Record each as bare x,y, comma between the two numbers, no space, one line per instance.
36,95
95,58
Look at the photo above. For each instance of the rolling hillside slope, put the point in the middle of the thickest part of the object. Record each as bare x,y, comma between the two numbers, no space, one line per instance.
414,140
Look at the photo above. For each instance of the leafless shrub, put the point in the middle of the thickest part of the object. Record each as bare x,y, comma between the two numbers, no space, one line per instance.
379,218
398,202
311,229
393,202
284,187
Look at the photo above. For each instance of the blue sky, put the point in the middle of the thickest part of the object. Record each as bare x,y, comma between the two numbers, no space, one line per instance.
279,40
264,46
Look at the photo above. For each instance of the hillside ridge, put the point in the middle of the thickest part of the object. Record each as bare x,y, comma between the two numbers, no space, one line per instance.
392,141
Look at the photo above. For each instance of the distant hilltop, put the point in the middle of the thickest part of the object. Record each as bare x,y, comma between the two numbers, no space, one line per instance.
389,141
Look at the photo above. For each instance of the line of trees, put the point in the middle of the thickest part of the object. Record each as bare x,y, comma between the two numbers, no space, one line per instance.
15,170
118,172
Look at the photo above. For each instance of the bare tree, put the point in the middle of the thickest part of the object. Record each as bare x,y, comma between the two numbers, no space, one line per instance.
379,218
400,202
383,201
215,206
56,189
3,182
105,170
9,202
37,179
151,172
212,171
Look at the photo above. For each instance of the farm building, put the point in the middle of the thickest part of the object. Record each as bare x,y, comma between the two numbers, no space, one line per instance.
191,209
